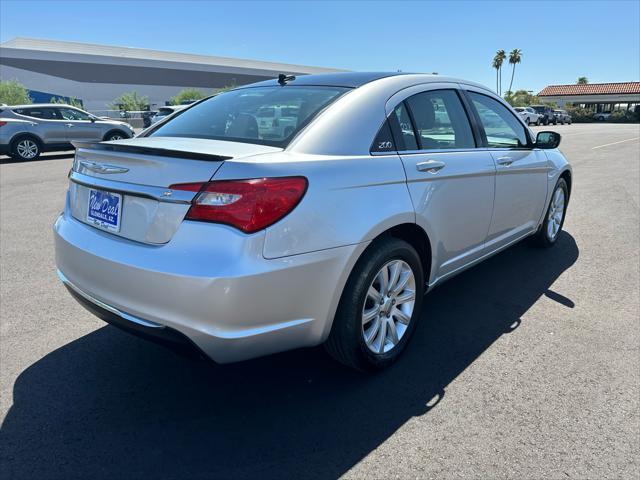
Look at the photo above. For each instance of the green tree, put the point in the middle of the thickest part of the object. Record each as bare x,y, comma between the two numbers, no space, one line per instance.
187,95
521,98
582,80
14,93
226,88
498,60
515,56
74,102
130,101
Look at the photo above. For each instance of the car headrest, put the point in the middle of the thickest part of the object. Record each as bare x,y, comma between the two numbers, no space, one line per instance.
243,126
425,115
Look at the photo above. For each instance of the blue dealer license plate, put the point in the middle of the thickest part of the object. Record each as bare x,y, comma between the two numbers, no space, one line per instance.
104,209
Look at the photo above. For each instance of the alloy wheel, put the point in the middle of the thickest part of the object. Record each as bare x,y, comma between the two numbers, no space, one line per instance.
388,306
556,213
27,149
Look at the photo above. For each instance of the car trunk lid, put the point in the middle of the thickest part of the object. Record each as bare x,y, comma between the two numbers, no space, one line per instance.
122,187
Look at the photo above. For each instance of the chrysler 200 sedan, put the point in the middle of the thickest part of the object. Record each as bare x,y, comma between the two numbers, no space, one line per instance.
205,232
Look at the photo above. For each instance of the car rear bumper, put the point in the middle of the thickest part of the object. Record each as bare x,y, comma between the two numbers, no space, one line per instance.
227,299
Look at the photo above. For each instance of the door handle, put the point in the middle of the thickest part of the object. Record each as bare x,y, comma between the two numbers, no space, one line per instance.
506,161
431,166
69,125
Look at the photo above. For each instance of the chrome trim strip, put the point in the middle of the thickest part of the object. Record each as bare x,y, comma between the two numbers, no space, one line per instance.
156,193
115,311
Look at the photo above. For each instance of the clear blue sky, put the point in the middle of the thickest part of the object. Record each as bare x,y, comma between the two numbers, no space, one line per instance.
597,39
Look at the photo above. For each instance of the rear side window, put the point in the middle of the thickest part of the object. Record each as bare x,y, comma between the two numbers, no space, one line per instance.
407,134
44,113
502,128
440,120
249,114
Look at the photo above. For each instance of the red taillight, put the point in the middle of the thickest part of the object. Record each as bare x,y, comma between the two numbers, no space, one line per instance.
249,205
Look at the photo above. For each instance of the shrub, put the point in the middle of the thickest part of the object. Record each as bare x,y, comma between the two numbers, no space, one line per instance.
624,116
14,93
187,95
74,102
580,115
130,101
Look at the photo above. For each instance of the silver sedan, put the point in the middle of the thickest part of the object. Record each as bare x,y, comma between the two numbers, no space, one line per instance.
204,232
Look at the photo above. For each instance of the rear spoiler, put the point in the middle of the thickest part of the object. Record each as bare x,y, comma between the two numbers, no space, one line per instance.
161,152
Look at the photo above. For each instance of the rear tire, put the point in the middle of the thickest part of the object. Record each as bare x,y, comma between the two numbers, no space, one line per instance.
26,148
368,302
553,222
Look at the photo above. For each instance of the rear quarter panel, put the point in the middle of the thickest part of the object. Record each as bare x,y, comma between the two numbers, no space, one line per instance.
349,200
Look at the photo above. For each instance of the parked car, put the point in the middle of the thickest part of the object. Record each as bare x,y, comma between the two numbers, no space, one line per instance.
146,118
602,116
562,116
164,112
529,115
202,232
28,130
277,121
546,114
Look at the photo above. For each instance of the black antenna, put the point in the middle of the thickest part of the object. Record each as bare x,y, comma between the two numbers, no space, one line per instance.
283,79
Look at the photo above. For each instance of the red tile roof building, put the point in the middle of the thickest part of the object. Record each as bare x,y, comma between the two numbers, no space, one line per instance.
600,97
591,89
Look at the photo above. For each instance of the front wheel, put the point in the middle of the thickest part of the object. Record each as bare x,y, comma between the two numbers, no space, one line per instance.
379,308
115,136
554,219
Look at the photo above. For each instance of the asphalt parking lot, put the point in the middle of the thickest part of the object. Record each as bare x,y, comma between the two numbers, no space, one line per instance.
526,366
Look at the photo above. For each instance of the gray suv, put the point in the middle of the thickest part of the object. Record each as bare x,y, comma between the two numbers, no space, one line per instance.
28,130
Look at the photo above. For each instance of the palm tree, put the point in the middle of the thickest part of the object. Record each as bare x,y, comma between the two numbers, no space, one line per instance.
514,57
582,80
498,59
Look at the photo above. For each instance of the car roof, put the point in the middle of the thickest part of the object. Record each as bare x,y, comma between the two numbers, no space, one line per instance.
40,105
339,79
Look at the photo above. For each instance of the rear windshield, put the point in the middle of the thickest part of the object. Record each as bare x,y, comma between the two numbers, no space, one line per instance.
539,109
263,115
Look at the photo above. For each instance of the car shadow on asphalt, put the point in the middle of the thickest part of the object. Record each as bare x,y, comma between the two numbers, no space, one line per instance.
109,405
5,160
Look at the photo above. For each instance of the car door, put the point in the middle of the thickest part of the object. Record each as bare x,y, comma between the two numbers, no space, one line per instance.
79,125
450,180
521,171
48,125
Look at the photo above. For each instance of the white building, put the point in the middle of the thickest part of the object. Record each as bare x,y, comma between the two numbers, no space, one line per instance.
96,74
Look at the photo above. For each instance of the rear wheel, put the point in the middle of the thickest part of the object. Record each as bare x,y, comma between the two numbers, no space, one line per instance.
379,308
554,219
25,148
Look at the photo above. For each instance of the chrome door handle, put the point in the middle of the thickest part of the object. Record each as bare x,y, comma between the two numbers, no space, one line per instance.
69,124
506,161
431,166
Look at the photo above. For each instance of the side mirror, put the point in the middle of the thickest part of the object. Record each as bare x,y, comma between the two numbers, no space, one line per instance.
547,140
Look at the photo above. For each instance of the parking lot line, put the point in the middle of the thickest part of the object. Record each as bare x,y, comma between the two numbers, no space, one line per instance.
615,143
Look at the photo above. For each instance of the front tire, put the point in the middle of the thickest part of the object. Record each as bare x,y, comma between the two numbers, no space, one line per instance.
26,148
379,308
554,217
115,136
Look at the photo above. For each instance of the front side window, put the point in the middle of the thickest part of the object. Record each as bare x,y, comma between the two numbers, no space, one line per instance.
502,128
263,115
440,120
73,114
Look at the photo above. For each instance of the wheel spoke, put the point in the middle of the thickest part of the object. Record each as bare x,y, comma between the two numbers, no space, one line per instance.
382,336
395,268
374,294
384,280
392,332
401,316
371,334
370,315
402,283
407,296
